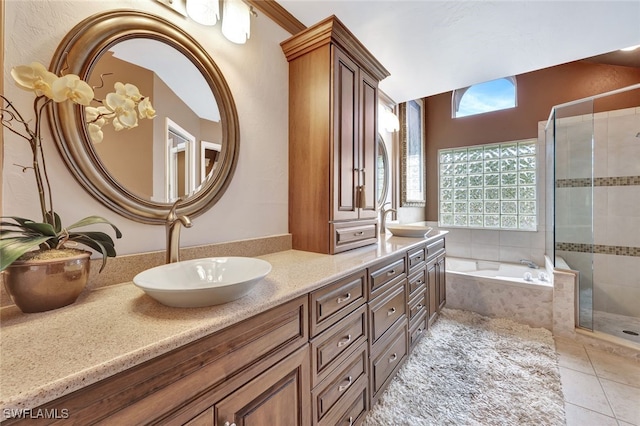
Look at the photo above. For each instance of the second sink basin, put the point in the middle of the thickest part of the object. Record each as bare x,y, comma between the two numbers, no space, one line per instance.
414,230
202,282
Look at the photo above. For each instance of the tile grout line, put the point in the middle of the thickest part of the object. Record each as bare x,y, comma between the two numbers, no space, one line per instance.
604,392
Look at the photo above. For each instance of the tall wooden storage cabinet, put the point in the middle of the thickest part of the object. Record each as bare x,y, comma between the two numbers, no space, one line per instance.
333,97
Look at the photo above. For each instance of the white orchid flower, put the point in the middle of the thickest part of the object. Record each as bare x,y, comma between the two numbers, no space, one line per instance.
34,78
72,88
92,114
124,110
145,109
95,130
128,90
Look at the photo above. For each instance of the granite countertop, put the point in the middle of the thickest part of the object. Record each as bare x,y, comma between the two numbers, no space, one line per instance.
47,355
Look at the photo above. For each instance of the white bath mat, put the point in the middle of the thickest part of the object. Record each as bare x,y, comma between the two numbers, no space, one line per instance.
473,370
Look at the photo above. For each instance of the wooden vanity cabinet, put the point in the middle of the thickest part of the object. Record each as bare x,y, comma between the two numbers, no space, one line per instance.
388,324
339,352
257,366
436,278
333,97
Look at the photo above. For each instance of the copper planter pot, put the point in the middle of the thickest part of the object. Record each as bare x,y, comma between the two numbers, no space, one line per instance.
43,285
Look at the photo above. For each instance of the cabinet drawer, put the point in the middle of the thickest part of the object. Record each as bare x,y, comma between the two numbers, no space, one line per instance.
337,384
416,257
333,302
385,363
334,345
385,274
434,248
352,408
417,329
350,234
417,306
386,310
417,280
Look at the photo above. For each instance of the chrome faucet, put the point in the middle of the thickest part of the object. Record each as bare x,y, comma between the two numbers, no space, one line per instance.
173,232
529,263
383,216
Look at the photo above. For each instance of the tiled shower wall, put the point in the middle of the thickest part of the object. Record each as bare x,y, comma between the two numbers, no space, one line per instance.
616,206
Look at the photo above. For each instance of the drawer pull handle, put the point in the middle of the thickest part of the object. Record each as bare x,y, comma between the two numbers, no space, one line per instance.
391,272
344,298
420,330
350,420
419,281
341,343
341,388
393,357
391,311
419,306
357,234
229,424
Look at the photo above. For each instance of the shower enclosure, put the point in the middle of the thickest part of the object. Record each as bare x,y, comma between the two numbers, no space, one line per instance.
593,155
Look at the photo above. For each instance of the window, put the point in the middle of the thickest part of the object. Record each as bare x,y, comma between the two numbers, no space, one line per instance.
484,97
488,186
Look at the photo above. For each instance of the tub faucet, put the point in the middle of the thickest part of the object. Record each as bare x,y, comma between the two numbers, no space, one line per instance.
383,216
173,232
529,263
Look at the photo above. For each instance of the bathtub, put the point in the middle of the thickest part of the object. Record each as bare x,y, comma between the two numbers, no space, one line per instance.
500,290
505,273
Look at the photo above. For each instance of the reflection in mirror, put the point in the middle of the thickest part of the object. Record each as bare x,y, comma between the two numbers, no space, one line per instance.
412,159
382,165
161,160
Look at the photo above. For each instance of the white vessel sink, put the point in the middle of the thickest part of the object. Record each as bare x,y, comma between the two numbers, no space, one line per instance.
202,282
413,230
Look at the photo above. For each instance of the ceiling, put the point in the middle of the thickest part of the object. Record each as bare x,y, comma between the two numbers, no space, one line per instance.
431,47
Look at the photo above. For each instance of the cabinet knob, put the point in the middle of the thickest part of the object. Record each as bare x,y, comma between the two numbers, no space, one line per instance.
419,281
393,357
344,298
357,234
419,306
229,424
391,272
391,311
341,388
341,343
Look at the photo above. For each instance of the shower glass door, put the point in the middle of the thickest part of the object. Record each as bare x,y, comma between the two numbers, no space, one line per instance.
574,178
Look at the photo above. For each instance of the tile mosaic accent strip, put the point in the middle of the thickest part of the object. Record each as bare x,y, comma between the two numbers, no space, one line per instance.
599,181
599,249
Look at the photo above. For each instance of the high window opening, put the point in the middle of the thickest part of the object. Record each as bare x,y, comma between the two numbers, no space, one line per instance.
484,97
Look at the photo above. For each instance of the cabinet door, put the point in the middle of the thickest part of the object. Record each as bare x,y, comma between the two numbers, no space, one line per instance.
442,283
432,290
279,396
368,145
346,168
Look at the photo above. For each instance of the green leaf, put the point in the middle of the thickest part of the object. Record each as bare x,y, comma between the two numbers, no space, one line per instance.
103,248
95,237
12,248
55,221
29,226
92,220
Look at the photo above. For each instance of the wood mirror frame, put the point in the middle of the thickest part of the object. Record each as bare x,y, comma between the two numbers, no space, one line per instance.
76,54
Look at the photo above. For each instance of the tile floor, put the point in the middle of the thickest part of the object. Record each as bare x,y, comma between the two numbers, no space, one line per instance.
600,388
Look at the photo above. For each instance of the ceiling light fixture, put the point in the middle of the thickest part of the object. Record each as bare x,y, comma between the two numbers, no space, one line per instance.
236,21
630,48
204,12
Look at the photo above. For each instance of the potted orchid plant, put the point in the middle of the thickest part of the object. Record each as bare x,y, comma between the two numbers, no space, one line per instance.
45,241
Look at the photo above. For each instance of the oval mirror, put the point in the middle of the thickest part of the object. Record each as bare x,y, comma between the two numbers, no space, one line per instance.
382,165
187,151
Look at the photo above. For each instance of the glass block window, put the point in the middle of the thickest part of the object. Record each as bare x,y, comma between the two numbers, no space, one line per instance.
488,186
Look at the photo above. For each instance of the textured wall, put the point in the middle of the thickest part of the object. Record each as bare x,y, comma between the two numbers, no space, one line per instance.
254,205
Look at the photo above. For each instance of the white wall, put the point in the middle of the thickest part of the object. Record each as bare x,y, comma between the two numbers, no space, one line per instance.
255,203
